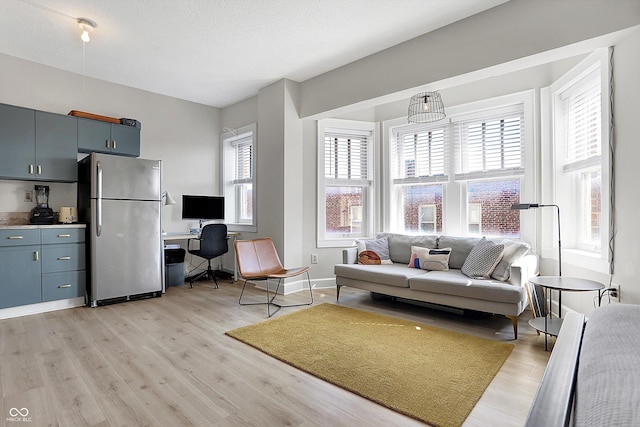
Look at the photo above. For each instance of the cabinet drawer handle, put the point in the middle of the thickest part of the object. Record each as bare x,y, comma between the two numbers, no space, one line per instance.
64,235
36,256
14,237
66,285
64,258
30,169
107,143
39,170
115,144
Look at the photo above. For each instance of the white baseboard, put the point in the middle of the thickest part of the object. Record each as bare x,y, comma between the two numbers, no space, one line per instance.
296,286
43,307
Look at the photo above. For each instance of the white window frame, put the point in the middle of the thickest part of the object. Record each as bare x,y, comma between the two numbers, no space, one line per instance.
471,221
230,183
455,210
564,188
434,211
356,128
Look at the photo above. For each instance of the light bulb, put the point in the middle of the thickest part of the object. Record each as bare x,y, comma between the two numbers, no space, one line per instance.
86,25
425,104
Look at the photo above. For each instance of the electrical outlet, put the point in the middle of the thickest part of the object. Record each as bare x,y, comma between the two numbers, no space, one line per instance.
314,258
615,294
28,196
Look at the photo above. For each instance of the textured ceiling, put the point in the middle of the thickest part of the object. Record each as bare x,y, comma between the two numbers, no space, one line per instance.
216,52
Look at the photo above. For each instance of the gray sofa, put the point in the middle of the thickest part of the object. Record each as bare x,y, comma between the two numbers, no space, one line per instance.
593,374
447,288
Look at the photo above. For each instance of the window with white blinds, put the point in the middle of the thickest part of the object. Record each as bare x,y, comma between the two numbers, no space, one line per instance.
243,159
346,156
470,168
345,181
582,168
419,154
583,123
239,186
490,145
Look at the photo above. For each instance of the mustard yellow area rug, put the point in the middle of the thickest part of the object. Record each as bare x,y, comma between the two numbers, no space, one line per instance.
430,374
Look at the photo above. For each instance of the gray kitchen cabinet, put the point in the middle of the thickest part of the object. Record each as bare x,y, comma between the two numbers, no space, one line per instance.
63,263
20,268
95,136
56,147
17,142
37,145
40,265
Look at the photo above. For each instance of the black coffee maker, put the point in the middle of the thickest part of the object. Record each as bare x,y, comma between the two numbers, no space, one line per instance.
42,213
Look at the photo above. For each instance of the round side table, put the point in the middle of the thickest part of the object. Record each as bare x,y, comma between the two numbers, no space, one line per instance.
547,325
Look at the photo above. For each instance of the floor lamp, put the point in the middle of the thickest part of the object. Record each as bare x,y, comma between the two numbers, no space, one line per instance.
526,206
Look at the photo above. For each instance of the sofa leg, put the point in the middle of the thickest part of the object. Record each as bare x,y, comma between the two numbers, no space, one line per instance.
338,292
514,320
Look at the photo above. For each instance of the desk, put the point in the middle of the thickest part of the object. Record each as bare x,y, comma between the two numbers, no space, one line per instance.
550,326
188,236
179,236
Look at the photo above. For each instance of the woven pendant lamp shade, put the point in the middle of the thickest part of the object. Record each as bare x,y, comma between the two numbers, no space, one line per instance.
426,107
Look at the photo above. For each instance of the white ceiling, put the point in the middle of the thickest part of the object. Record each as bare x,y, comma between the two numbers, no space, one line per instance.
216,52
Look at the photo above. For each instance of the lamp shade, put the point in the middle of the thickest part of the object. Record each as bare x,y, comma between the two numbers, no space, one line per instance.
168,200
426,107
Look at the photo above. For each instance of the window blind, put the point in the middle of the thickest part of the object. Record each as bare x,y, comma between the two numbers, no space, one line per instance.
345,157
244,160
420,155
490,146
583,125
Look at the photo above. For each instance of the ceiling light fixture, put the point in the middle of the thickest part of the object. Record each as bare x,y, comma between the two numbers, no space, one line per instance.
87,26
426,107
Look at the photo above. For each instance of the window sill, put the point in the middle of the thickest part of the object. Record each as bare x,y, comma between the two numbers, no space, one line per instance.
587,260
242,228
343,243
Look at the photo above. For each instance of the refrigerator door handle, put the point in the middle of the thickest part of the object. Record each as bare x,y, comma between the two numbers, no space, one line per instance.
98,198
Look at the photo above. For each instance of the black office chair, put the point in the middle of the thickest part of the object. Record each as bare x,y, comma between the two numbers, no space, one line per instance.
213,243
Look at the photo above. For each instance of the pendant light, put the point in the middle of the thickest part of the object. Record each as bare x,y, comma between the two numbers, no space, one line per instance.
426,107
87,26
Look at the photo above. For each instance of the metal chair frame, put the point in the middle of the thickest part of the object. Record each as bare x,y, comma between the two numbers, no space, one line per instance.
269,302
263,265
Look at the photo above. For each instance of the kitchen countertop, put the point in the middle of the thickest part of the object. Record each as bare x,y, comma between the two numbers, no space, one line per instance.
38,226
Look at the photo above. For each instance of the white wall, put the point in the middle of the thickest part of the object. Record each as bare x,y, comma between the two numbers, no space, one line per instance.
516,33
184,135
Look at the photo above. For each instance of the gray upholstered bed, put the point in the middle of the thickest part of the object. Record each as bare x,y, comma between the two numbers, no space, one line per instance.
593,375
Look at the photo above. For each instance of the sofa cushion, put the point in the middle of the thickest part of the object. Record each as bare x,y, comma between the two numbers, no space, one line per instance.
400,245
392,275
373,252
483,259
453,282
430,259
460,248
513,251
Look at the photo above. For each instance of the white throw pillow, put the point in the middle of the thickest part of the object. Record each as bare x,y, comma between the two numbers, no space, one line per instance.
482,259
513,251
430,259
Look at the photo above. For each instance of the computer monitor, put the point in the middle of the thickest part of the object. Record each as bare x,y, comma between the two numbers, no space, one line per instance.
203,208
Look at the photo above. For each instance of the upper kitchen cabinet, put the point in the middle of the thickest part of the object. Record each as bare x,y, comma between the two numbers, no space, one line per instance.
56,147
17,142
37,145
95,136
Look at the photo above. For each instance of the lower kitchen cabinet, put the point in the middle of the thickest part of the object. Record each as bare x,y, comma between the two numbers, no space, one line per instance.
21,271
67,284
41,265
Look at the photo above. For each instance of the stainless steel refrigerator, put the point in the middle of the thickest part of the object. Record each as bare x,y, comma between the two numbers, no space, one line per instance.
120,200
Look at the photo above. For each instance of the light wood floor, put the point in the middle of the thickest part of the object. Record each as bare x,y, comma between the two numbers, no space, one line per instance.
166,362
